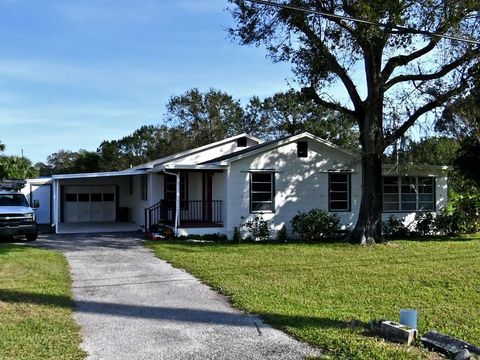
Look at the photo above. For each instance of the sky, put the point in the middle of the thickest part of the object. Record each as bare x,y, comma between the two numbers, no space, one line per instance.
76,72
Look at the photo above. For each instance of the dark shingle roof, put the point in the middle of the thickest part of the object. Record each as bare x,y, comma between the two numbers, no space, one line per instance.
244,151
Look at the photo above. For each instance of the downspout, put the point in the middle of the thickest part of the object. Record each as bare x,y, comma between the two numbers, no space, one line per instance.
55,205
177,199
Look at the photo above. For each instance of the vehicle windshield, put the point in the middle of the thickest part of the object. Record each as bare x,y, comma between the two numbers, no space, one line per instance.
13,200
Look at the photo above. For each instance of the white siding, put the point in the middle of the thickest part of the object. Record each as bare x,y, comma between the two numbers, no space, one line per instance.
300,183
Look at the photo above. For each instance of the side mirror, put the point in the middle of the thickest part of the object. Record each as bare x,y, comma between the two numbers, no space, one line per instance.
36,204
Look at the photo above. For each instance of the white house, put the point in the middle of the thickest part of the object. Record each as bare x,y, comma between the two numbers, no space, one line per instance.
209,189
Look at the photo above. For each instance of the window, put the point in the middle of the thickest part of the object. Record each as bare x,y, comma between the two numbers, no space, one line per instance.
408,193
339,191
261,191
302,149
143,187
242,142
71,197
96,197
108,197
83,197
171,190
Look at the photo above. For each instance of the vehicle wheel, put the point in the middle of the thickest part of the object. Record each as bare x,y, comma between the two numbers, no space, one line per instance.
31,237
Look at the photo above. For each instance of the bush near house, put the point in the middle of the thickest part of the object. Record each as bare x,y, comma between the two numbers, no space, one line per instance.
36,305
327,293
462,216
315,224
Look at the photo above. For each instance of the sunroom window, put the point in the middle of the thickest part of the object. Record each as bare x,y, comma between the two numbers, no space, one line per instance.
408,193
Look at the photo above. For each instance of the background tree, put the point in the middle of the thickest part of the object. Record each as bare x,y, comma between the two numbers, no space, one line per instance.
2,147
16,167
406,75
206,117
461,121
291,113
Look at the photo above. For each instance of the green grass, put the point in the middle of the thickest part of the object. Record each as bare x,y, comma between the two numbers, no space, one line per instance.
36,306
325,294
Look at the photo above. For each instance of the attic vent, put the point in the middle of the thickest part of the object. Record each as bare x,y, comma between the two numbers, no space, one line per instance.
242,142
302,149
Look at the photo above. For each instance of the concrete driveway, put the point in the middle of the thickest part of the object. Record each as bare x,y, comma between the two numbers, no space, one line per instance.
132,305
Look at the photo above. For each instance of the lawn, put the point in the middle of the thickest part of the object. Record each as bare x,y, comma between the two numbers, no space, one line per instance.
36,306
326,294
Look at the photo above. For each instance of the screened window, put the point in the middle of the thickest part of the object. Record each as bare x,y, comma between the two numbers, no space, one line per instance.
302,149
171,189
339,192
143,187
261,192
408,193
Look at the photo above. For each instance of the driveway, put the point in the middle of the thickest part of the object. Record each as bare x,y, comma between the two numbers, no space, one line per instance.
132,305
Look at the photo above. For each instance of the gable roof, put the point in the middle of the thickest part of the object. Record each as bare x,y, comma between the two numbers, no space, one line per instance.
157,162
269,145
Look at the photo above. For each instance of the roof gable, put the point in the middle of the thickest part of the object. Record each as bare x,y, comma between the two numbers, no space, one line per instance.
269,145
180,155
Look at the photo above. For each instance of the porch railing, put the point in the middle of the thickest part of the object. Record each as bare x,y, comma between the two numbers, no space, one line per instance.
192,212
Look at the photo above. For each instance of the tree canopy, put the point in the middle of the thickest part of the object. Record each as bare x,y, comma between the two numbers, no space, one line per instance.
16,167
405,75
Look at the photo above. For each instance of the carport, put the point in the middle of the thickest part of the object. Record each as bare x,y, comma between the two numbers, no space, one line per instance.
98,202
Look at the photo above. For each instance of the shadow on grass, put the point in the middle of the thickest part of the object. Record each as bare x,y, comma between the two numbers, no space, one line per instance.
203,316
436,238
12,246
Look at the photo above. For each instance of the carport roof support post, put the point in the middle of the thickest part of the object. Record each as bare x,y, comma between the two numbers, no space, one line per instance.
177,198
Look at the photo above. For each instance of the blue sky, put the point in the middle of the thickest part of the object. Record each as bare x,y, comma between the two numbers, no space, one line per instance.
75,73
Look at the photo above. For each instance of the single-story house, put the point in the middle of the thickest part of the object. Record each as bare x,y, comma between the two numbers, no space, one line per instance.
208,189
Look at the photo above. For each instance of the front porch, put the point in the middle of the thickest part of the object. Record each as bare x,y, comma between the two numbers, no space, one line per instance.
192,214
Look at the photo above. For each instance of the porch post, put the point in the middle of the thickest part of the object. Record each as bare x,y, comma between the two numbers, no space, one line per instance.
55,204
177,198
177,203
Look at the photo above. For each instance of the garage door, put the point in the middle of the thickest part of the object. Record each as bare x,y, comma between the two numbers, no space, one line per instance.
89,203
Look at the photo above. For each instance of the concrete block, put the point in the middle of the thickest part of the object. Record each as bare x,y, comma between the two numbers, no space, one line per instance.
398,333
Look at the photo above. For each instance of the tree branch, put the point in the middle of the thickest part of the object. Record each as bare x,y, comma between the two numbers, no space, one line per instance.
403,60
335,65
432,76
439,101
310,93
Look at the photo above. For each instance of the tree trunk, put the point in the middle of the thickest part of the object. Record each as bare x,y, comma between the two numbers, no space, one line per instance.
368,229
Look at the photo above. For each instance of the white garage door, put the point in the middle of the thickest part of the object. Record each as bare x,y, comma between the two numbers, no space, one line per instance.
89,203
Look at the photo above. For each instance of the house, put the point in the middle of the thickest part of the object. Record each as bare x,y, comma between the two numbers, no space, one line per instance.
208,189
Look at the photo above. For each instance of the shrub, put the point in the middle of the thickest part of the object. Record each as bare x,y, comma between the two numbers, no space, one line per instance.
237,237
425,223
394,227
448,222
257,227
282,234
315,224
461,216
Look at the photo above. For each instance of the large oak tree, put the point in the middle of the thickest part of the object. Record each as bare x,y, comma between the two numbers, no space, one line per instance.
392,77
